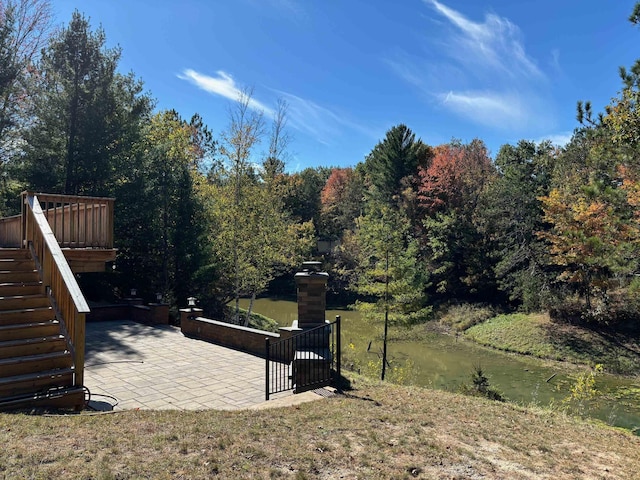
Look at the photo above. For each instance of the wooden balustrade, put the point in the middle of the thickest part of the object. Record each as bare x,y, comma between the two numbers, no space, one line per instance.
78,222
56,273
10,231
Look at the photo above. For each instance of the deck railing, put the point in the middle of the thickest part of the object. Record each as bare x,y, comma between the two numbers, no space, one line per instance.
78,222
57,277
10,231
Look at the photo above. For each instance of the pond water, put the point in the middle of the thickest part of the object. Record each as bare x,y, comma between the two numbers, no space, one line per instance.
446,362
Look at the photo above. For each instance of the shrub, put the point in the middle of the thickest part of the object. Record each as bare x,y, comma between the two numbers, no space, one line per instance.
462,317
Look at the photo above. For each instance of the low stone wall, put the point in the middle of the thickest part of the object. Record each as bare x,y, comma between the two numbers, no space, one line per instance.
242,338
152,314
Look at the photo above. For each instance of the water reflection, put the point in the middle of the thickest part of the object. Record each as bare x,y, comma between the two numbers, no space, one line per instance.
444,361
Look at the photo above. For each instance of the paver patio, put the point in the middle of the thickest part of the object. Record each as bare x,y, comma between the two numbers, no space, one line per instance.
157,367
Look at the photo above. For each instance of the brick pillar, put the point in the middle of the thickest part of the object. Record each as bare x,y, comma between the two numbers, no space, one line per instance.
312,296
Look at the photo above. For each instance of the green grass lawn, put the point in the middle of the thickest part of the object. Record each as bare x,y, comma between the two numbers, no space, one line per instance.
537,335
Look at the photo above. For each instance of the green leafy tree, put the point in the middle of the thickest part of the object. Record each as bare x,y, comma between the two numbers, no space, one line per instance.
342,202
448,196
302,196
253,247
244,133
162,225
253,236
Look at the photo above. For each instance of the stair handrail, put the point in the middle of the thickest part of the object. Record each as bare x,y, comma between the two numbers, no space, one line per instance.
58,277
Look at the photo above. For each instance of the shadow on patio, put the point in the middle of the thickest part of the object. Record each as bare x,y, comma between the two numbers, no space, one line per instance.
131,366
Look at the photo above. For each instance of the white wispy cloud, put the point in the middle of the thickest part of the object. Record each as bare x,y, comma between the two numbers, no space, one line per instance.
224,85
317,121
472,67
488,108
496,43
303,115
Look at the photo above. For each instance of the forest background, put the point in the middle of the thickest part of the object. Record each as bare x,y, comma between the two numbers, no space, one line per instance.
413,227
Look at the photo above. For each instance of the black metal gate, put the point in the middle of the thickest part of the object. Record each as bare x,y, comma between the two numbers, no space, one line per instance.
305,361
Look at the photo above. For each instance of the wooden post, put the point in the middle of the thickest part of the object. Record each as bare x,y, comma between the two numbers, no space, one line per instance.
79,345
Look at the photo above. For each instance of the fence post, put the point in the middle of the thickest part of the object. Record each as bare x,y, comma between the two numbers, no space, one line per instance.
266,356
338,354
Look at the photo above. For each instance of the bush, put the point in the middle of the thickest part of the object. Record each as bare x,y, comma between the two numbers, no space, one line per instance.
463,317
260,322
257,321
618,308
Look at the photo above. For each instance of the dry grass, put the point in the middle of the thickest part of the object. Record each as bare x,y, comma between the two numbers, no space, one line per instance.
378,431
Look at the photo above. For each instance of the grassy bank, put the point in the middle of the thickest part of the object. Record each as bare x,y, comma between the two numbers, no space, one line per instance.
537,335
377,431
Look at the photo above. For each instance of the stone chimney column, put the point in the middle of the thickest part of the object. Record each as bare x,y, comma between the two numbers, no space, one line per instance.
312,289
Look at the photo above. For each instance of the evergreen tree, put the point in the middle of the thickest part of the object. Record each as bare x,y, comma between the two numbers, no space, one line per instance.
387,274
511,215
302,195
393,159
87,116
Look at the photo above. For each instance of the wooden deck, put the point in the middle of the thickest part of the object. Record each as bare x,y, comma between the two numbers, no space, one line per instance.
42,362
82,226
82,260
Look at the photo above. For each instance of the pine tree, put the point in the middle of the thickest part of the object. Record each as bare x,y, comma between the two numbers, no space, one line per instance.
393,159
87,116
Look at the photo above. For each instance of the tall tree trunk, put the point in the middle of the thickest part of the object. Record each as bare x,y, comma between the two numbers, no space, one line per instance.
70,186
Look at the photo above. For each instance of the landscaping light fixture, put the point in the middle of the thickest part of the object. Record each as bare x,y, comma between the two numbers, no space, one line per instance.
191,302
134,292
159,297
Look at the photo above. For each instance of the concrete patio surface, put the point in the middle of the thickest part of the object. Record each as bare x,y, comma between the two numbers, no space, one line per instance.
134,366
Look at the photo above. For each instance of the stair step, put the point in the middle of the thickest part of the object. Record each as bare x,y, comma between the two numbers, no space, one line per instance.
14,302
32,346
21,288
67,399
35,382
64,397
15,253
10,367
29,330
26,315
27,276
16,264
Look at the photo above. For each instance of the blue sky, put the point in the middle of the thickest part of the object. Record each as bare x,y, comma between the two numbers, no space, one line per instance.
499,70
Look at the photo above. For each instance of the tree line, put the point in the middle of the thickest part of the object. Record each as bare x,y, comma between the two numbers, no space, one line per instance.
412,225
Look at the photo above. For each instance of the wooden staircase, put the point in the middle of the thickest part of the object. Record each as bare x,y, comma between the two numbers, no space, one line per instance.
36,360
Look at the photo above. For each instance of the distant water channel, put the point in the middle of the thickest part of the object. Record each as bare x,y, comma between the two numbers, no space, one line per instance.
444,361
